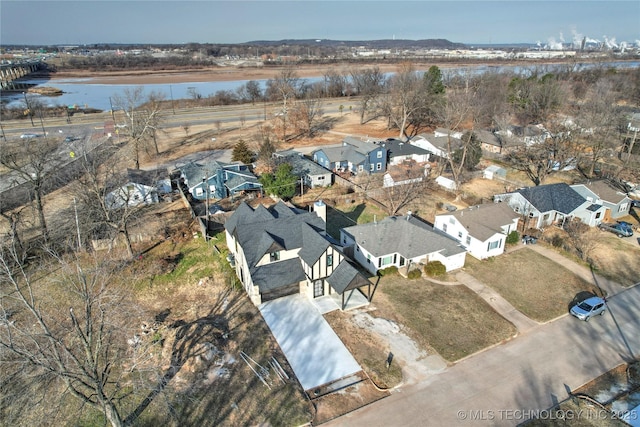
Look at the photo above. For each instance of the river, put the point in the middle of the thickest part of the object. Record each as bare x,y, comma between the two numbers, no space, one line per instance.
82,92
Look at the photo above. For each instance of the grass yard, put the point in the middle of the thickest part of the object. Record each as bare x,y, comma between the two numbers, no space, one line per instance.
533,284
451,319
617,259
349,215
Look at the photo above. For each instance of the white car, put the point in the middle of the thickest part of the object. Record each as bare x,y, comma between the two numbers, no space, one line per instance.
29,135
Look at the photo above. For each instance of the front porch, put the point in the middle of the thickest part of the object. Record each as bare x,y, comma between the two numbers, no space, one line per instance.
348,301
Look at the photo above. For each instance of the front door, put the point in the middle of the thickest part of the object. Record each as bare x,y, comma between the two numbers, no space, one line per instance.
318,288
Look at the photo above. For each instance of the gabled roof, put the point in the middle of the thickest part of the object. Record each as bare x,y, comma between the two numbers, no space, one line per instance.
313,245
344,152
238,179
301,166
442,142
258,230
558,197
483,221
602,190
397,148
346,277
406,235
147,177
194,172
487,137
278,274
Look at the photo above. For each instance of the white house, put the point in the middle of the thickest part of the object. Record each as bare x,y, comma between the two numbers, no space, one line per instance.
399,241
481,229
437,144
552,204
142,187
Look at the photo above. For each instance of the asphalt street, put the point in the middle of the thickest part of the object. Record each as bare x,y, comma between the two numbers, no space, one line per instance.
513,382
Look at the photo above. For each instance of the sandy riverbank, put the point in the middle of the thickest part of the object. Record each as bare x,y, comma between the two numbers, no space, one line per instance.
220,74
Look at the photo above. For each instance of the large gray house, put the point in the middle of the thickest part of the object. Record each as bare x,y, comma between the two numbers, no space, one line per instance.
281,250
354,156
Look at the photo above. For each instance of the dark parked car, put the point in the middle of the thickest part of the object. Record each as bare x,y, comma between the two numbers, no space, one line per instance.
588,308
620,229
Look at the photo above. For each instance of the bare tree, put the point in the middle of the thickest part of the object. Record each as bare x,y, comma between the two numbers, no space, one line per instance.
34,162
306,113
412,186
598,118
539,160
142,117
404,99
284,87
369,84
103,199
581,237
68,331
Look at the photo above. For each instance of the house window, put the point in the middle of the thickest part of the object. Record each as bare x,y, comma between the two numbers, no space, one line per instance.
368,259
459,234
199,191
494,245
598,215
468,240
387,260
444,227
623,207
321,178
274,256
452,220
329,260
212,189
379,154
360,168
371,167
379,166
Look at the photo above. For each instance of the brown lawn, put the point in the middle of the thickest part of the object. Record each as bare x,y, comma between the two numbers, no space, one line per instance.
533,284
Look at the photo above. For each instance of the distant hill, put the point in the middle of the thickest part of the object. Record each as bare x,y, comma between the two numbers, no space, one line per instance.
371,44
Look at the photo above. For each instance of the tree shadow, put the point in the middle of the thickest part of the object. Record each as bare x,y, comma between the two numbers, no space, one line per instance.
188,343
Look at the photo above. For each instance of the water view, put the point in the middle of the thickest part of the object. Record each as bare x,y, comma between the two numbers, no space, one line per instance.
85,94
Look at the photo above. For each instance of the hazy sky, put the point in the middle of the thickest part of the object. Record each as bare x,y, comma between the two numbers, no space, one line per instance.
208,21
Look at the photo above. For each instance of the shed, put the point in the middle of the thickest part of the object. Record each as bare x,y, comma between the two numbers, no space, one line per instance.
446,183
494,171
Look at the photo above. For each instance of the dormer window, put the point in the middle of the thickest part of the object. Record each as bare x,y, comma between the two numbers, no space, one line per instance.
329,260
274,256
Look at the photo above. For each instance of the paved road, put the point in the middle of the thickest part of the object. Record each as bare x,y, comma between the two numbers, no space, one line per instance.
509,383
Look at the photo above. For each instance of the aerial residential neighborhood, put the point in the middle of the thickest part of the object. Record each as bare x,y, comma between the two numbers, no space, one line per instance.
313,214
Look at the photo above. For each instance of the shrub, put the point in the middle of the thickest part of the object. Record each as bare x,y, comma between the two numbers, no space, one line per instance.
557,241
513,237
435,268
388,271
414,274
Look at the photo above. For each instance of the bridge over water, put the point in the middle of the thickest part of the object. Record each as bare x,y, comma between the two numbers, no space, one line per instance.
10,74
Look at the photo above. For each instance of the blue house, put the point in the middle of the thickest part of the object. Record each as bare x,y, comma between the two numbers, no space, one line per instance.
218,180
353,156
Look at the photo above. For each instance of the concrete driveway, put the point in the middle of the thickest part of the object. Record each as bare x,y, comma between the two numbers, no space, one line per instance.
512,383
313,349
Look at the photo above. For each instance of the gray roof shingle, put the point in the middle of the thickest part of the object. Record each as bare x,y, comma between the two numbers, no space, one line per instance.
410,237
483,221
558,197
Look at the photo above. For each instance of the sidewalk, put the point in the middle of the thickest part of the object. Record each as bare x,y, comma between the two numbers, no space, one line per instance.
608,287
499,304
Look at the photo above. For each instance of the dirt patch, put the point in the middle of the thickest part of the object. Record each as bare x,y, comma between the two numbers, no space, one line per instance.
346,400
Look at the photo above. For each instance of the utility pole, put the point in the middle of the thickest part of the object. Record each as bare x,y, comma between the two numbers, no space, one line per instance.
171,93
75,208
206,195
